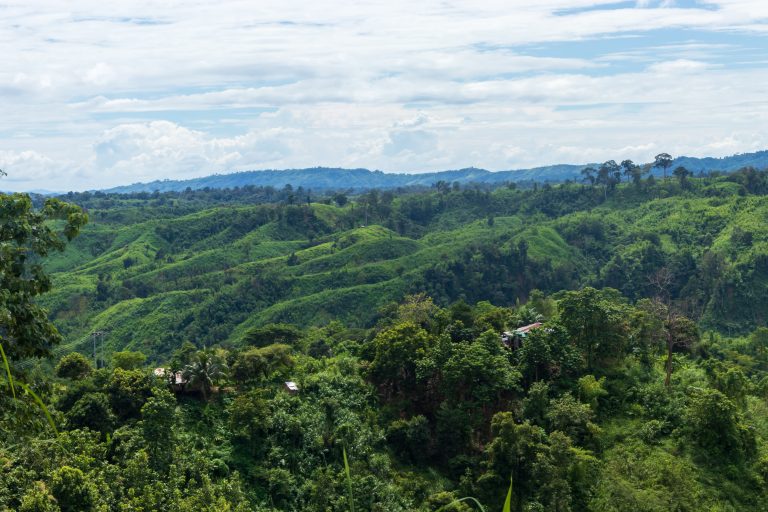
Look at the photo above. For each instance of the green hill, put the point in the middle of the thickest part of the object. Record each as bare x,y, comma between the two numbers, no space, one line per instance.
347,354
208,273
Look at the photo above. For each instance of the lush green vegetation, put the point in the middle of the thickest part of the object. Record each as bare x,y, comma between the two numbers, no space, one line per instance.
157,271
323,178
645,388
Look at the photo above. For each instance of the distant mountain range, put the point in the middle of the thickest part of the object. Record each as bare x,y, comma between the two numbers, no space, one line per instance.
318,178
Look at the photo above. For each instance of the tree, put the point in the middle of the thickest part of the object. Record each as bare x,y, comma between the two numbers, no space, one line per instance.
205,371
396,351
608,175
512,453
547,471
419,309
158,424
591,390
273,333
682,174
632,171
588,174
714,424
663,161
38,499
72,490
443,187
92,411
26,236
647,330
73,366
249,419
478,372
340,199
568,415
128,391
257,364
410,439
182,356
548,354
526,315
128,360
758,342
536,404
462,312
681,332
596,323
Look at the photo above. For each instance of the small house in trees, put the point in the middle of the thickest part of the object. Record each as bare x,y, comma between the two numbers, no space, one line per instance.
291,387
178,382
175,379
514,339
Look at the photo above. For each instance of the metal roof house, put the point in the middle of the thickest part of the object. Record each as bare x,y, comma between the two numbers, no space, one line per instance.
513,339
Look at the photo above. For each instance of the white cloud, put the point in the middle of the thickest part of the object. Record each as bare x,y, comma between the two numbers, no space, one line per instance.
140,151
107,93
27,166
100,74
679,66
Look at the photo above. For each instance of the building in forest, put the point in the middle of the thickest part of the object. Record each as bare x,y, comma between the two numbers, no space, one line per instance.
514,339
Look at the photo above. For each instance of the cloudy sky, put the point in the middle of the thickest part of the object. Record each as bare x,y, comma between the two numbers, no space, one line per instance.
107,93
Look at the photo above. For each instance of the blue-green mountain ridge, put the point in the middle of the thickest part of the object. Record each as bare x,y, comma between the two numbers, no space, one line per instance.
362,179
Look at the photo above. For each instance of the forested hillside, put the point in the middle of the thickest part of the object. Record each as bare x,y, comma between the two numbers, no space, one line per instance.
323,178
640,381
156,270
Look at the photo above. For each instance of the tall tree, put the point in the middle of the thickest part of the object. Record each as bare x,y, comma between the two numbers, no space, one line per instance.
26,236
608,175
681,333
664,161
397,350
596,323
682,174
632,171
588,174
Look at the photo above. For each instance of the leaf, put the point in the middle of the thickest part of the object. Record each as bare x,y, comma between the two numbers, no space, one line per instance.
461,500
508,501
42,406
8,371
349,480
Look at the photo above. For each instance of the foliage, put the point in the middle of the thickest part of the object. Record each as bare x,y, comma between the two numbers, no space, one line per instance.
408,399
128,360
73,366
205,370
26,235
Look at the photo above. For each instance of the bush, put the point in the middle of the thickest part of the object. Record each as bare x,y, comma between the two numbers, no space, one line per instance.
410,438
73,366
73,492
128,360
92,411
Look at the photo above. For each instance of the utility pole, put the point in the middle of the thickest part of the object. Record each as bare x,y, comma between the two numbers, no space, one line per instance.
100,335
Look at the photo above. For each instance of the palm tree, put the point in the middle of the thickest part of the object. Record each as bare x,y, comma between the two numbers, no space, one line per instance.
205,370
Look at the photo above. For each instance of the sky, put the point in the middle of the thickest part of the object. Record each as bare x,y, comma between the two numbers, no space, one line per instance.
95,94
